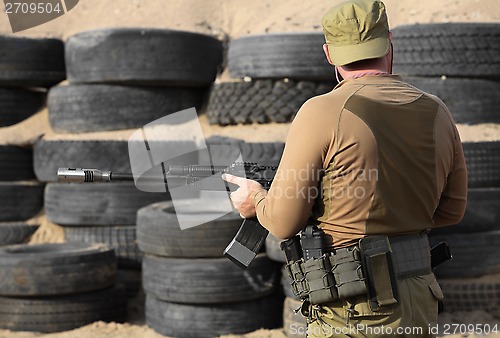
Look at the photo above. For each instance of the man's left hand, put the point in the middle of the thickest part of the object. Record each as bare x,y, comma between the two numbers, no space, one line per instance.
243,197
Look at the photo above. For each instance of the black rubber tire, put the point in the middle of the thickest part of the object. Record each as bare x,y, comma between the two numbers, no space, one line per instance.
483,164
20,200
208,280
273,249
97,107
55,269
261,101
159,233
451,49
49,155
212,320
16,164
472,294
143,56
120,238
474,254
470,100
17,105
16,233
31,62
278,56
481,214
114,203
294,324
62,313
226,150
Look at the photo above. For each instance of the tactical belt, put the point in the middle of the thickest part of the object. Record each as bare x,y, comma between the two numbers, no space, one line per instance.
368,268
410,254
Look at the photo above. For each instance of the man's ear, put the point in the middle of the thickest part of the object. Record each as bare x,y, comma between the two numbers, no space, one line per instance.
327,53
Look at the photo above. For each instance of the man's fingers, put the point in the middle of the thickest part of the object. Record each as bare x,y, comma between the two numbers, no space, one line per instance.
234,179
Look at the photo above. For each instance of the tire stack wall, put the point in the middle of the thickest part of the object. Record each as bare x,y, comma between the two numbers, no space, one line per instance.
28,68
459,62
126,78
21,195
95,213
191,289
102,214
58,287
118,79
272,76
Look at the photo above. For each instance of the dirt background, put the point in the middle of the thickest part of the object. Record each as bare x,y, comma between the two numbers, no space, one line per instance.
239,17
225,19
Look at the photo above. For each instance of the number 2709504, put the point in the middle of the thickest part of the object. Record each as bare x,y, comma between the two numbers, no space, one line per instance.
25,8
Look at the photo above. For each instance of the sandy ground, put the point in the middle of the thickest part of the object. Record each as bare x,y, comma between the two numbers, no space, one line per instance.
139,330
225,19
240,17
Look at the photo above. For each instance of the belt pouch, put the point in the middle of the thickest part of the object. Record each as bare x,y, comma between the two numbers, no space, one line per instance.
379,271
297,277
348,272
320,279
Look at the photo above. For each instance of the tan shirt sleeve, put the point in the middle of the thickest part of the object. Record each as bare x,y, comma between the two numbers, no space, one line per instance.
453,200
285,208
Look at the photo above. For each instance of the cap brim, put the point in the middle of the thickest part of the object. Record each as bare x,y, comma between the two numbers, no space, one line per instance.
343,55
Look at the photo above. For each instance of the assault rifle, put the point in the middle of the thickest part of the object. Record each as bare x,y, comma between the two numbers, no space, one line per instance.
250,236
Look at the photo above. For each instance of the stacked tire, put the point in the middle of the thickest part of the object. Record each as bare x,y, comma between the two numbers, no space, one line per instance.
95,213
191,289
21,195
126,78
29,67
57,287
460,63
118,79
272,76
102,213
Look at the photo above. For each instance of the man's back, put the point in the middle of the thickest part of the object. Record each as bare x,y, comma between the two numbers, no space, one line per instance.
392,162
393,148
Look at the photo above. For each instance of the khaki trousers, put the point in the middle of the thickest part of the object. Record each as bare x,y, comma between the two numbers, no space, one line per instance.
415,315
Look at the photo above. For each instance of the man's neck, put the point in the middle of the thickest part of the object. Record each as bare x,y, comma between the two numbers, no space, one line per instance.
365,72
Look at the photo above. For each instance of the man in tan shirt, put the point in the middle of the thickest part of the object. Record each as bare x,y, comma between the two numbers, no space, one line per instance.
374,156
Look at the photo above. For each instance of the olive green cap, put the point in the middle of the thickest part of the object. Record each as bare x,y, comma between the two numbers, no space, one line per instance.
356,30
